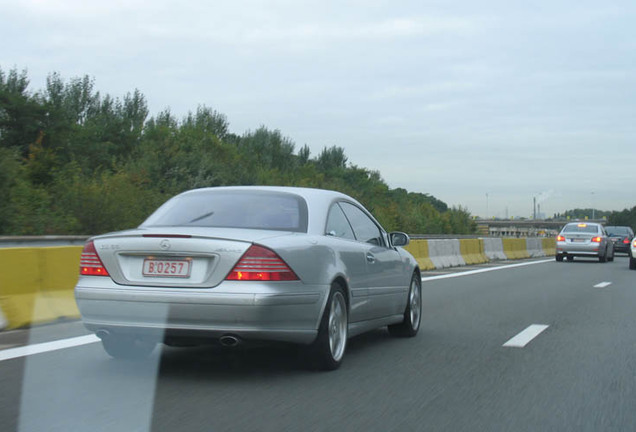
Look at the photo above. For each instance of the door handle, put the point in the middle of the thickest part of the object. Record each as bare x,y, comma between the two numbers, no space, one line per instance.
370,258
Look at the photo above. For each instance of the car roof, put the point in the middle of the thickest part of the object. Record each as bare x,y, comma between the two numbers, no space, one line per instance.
308,193
318,201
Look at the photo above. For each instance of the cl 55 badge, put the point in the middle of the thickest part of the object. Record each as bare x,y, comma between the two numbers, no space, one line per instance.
109,246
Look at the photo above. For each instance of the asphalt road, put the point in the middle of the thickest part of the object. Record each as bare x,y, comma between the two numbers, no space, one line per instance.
578,374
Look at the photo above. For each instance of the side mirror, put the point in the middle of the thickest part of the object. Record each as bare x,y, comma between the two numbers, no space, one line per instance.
399,239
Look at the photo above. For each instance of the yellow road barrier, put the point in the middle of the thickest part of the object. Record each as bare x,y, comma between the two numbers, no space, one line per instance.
419,249
549,246
36,284
515,248
473,251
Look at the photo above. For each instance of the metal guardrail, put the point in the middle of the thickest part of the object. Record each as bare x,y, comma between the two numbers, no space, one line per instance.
41,241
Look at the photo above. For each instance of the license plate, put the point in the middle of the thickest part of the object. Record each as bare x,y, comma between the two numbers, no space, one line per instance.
578,240
166,268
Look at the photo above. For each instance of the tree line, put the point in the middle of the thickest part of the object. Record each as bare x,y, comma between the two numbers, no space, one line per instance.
76,161
626,217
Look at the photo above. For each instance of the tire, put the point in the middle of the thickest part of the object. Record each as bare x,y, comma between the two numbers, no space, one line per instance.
559,257
128,347
632,263
570,258
413,312
603,258
327,351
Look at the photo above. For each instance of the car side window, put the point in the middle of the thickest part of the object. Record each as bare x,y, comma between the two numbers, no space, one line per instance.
337,224
364,228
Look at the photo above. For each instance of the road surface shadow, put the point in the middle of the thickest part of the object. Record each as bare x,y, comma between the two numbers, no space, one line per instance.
216,362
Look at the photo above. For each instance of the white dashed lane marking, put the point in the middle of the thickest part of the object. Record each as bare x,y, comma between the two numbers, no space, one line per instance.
524,338
602,285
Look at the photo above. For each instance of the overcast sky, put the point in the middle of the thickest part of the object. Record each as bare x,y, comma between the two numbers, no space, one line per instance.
483,104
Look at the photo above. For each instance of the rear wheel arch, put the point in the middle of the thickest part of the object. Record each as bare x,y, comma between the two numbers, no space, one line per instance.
341,281
328,349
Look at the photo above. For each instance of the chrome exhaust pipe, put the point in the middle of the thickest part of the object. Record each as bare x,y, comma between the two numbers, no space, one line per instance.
229,340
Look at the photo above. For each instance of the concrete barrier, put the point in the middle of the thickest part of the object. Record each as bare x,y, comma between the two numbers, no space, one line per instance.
472,251
534,247
419,249
3,321
445,253
60,272
493,248
515,248
36,284
549,246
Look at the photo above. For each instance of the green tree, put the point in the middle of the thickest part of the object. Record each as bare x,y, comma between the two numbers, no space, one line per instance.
9,170
21,114
623,218
73,161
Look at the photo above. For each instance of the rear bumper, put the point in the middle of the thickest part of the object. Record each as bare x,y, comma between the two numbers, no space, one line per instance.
563,248
621,247
285,312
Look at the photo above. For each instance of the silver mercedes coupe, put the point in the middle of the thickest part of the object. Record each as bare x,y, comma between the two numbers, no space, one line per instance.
234,265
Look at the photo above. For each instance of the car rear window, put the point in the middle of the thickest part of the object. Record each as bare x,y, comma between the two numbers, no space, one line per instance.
233,209
617,230
582,228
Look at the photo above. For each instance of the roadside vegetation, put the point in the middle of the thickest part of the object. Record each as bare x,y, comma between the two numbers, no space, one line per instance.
75,161
625,217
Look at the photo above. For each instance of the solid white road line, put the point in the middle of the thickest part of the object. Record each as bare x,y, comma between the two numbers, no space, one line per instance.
484,270
524,338
602,285
46,347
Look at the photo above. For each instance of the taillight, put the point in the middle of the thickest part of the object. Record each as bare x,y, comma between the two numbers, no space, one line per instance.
596,239
560,238
634,244
261,264
90,264
625,240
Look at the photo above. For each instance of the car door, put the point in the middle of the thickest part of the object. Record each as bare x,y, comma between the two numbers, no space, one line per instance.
606,243
352,255
385,278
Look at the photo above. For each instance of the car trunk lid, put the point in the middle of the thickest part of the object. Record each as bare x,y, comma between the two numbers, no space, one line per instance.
175,258
579,237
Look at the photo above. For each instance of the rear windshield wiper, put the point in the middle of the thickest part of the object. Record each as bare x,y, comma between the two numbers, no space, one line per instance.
196,219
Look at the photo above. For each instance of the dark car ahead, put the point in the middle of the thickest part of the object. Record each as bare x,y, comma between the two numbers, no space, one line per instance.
621,236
